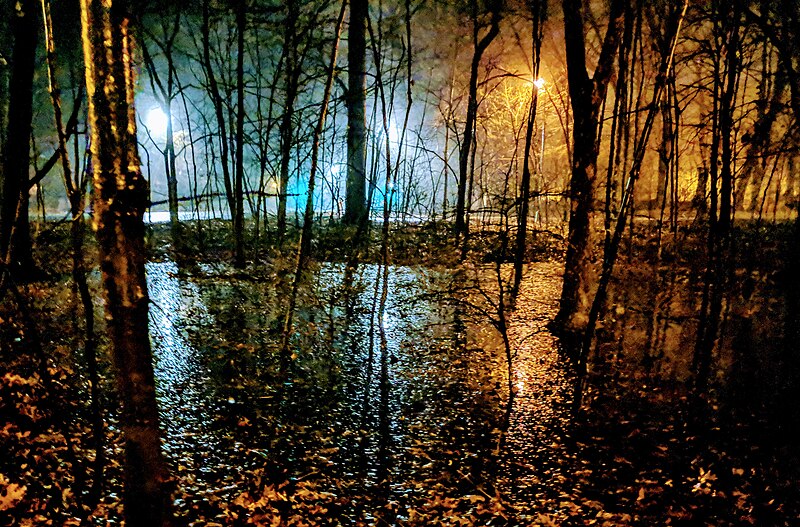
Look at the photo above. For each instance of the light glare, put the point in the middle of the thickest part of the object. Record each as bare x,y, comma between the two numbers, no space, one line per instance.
156,121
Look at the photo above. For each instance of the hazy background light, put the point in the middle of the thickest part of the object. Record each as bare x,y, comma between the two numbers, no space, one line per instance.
156,121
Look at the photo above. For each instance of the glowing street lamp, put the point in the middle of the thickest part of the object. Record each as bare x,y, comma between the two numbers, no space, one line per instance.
156,121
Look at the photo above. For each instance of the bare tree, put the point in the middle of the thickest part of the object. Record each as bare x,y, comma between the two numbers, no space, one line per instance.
164,90
611,248
481,43
217,100
356,207
238,184
538,9
75,182
587,95
304,247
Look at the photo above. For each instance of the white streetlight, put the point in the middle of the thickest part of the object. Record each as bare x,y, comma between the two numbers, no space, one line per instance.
156,121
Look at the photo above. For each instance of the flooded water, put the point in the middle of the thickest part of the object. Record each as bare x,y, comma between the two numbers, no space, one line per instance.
186,403
540,417
399,400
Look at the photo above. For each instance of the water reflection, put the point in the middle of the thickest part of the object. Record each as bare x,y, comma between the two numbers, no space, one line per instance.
187,406
540,417
398,396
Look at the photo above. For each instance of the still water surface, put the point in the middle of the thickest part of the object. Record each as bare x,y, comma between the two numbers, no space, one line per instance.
413,394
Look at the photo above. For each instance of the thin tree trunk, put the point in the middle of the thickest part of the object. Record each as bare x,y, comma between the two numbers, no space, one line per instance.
238,217
718,243
356,206
287,126
216,98
481,44
164,94
304,246
538,11
75,186
728,99
620,129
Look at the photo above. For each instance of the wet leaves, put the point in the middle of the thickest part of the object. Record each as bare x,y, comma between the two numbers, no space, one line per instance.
340,442
10,493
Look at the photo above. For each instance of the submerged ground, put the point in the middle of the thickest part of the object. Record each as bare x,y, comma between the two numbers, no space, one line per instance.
394,410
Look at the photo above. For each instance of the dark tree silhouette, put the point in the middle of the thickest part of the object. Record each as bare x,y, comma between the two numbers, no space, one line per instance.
481,43
355,204
15,240
586,95
238,183
538,9
292,73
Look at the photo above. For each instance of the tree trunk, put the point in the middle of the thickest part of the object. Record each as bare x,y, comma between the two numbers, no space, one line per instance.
718,241
538,13
665,155
611,249
4,44
172,176
216,98
587,96
164,94
286,128
304,247
481,44
238,190
75,186
15,241
121,198
726,119
356,207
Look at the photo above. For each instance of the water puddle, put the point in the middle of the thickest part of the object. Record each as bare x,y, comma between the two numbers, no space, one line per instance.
540,418
406,404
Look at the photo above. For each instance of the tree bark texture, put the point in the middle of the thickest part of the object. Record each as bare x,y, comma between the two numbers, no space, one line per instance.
120,194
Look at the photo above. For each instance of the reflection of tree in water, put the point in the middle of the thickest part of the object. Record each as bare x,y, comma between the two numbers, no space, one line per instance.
392,396
369,387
